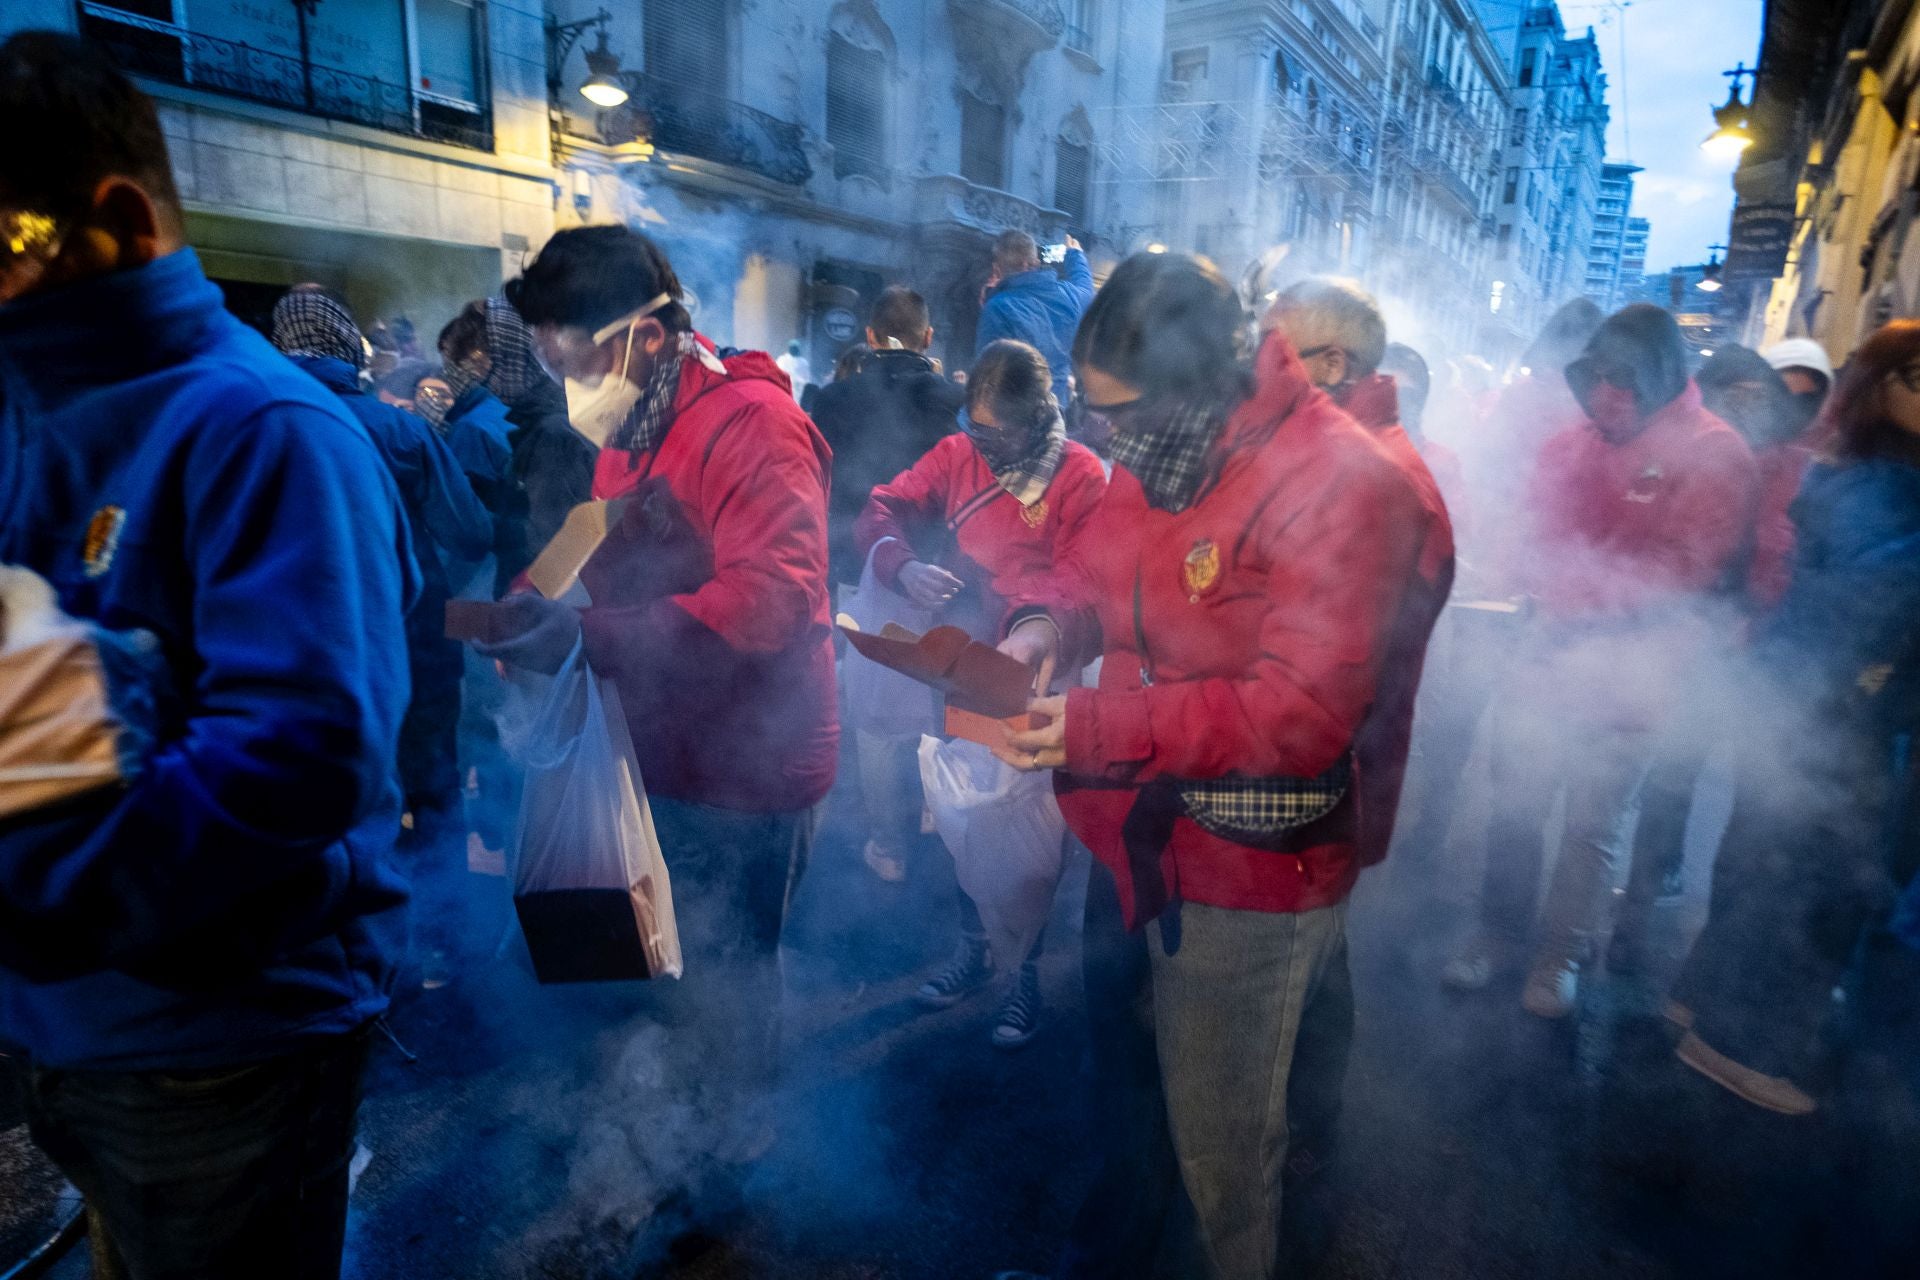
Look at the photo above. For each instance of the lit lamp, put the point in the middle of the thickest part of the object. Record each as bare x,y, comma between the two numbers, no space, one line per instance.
603,88
1710,274
1732,136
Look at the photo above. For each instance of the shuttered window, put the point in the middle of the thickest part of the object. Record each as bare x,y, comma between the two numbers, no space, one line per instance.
686,42
1072,170
983,142
856,108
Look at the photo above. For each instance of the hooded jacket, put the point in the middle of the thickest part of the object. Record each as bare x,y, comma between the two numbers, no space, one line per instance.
710,605
879,423
1041,308
948,509
167,470
1248,634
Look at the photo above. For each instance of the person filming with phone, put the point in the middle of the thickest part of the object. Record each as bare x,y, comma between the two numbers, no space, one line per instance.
1032,302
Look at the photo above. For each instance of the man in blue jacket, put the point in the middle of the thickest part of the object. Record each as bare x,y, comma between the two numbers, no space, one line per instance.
317,332
191,962
1036,304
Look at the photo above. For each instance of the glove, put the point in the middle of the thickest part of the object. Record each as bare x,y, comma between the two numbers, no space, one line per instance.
543,635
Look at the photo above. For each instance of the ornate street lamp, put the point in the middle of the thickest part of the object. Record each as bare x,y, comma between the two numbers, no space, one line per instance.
602,87
1732,137
1710,274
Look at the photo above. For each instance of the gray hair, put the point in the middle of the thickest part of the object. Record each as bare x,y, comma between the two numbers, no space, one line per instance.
1334,311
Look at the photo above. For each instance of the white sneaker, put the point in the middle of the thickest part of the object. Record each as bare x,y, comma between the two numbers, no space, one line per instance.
887,866
1553,989
1773,1093
1472,969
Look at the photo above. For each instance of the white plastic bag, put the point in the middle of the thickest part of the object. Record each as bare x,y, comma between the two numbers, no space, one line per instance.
881,700
1004,830
589,883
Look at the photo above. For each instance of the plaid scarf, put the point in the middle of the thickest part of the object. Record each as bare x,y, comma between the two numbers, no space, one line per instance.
309,323
510,344
1027,479
648,420
1169,459
459,379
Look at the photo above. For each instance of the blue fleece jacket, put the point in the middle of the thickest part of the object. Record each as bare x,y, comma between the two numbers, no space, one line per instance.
1041,308
168,470
477,431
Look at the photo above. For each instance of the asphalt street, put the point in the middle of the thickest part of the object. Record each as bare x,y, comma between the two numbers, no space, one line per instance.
535,1137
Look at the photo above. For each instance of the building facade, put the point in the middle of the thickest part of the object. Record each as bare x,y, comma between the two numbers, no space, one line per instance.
1552,147
394,149
797,157
1607,276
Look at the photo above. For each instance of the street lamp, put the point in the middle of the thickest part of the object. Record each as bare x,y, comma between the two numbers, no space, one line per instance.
1732,136
1710,274
602,87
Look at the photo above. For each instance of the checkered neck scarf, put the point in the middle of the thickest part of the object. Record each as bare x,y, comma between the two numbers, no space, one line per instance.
459,379
648,420
1027,479
306,323
1169,459
510,344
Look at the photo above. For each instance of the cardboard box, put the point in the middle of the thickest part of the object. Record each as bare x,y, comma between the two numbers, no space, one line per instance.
986,692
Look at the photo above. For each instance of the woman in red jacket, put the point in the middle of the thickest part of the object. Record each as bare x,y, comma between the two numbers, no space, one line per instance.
1249,579
965,529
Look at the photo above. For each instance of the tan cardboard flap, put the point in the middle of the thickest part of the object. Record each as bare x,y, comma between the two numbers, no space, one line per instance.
973,676
558,566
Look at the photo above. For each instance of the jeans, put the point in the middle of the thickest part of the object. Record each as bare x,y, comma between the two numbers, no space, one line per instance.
733,874
234,1173
1253,1015
1538,752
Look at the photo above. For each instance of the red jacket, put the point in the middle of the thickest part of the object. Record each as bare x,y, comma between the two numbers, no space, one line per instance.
1385,741
947,509
1623,529
1272,610
710,606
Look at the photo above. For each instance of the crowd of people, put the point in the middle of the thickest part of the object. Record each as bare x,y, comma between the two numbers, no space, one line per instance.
1252,586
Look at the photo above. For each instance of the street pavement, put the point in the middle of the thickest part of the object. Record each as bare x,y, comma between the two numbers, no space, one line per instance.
535,1137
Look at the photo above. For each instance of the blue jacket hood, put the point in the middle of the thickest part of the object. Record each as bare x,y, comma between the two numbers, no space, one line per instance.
167,470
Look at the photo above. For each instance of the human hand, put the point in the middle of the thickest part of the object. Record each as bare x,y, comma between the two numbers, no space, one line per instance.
928,585
1035,643
544,633
1031,750
1071,243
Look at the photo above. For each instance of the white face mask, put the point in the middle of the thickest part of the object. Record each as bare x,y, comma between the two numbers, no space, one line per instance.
597,406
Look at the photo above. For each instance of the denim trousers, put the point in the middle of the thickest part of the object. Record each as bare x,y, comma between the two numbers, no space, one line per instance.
1220,1041
1537,754
234,1173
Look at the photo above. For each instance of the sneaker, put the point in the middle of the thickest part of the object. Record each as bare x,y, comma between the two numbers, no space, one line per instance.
1472,969
1678,1014
1019,1014
968,971
1774,1093
1553,988
889,867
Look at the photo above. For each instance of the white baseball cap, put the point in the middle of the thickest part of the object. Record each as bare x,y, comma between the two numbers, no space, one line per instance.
1799,353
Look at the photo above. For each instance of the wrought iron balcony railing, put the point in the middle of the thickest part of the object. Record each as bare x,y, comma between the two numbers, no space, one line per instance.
694,122
162,51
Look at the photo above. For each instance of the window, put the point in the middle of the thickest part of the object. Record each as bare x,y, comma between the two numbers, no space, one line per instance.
1072,173
447,49
983,142
856,108
1189,65
1512,187
686,42
1526,67
1518,137
1080,20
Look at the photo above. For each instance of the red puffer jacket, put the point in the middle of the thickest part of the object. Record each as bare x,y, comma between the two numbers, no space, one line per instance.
1387,737
1270,612
710,606
947,509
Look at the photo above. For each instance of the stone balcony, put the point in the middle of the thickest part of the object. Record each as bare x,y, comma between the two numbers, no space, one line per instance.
949,200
